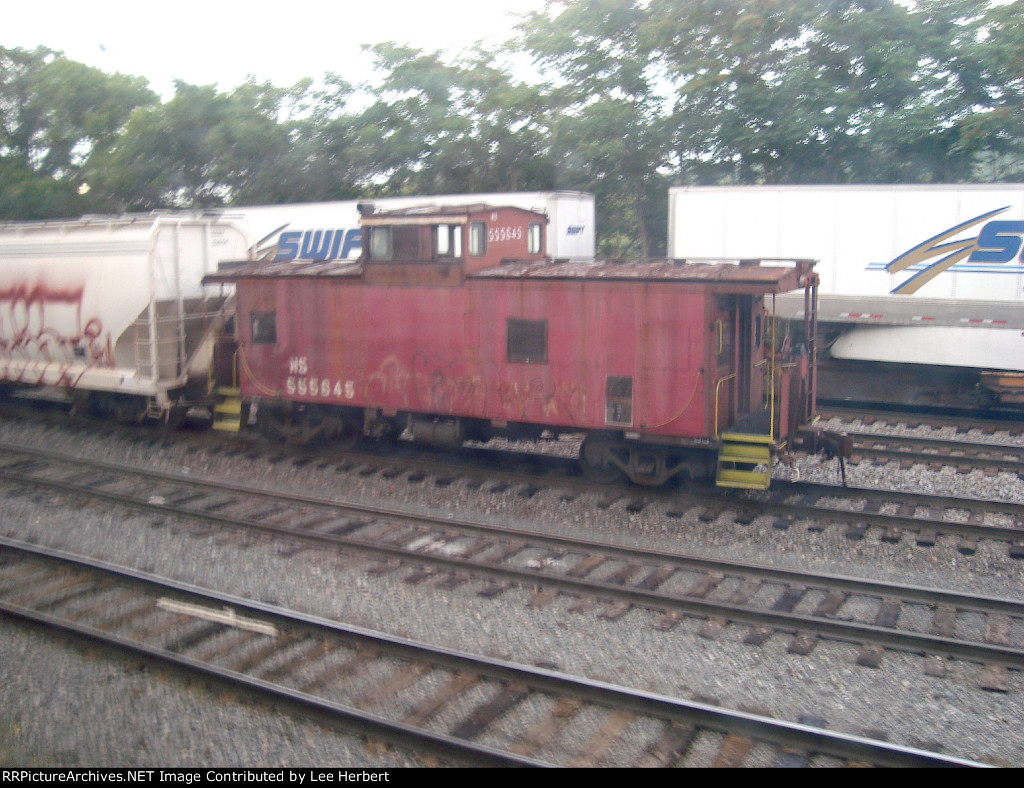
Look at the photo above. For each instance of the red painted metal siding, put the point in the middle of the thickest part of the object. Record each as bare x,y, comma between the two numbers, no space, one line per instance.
443,350
507,232
660,348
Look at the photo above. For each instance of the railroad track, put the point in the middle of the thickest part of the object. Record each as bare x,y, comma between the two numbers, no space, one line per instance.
926,517
1008,423
533,471
898,516
606,579
937,452
460,706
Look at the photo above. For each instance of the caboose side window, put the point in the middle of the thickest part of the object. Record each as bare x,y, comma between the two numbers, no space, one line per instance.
380,243
263,328
533,239
477,239
527,341
395,243
448,241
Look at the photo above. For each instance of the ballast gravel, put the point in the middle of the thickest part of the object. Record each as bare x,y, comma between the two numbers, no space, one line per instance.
64,704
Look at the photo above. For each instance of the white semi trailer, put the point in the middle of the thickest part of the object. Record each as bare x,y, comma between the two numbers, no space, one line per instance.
922,284
329,230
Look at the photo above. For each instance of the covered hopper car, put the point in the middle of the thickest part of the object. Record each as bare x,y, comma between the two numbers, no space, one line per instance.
454,324
111,310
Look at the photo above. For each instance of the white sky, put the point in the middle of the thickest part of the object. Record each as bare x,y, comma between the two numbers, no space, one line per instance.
223,41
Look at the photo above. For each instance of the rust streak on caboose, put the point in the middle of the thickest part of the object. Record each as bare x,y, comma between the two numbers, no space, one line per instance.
455,325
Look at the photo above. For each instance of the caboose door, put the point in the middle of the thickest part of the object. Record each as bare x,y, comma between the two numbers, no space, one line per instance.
723,347
738,357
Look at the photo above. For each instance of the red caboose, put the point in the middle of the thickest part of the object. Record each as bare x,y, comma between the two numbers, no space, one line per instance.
454,325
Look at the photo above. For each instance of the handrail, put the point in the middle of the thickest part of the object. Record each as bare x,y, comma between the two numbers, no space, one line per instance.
772,372
717,391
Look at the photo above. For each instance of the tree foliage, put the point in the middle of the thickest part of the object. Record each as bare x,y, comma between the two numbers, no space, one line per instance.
629,97
55,114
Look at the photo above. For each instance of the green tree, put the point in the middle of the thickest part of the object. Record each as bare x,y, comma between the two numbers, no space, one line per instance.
632,95
324,162
607,127
202,149
54,115
462,126
831,91
1001,125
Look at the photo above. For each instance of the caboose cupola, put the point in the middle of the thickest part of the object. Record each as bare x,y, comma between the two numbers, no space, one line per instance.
441,245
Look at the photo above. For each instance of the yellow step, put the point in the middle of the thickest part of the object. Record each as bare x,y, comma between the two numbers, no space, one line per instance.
233,406
227,425
746,437
739,452
745,480
736,448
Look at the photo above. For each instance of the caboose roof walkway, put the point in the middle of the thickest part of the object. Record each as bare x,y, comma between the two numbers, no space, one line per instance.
737,275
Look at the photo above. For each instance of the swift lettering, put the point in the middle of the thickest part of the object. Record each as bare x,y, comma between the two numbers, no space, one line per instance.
997,242
338,244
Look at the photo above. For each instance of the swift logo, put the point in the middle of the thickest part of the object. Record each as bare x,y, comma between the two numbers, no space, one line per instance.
998,242
318,244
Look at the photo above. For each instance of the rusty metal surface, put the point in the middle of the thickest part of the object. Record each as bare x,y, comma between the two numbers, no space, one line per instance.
662,270
444,350
668,349
773,278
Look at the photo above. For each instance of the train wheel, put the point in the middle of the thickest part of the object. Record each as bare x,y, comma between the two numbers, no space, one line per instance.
124,408
175,418
348,435
597,460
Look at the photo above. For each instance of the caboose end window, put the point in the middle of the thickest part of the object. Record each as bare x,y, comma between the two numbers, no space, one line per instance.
527,341
534,239
263,328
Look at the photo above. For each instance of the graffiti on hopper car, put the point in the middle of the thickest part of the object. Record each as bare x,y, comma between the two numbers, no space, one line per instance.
44,335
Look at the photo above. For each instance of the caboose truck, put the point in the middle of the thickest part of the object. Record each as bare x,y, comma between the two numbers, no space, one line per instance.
454,325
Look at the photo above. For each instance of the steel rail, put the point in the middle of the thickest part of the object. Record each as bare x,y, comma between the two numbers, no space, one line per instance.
777,732
853,632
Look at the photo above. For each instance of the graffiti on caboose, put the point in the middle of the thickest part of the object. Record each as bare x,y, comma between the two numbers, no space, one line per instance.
428,382
444,387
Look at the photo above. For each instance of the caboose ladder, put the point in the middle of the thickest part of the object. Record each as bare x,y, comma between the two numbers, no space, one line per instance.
744,461
227,413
